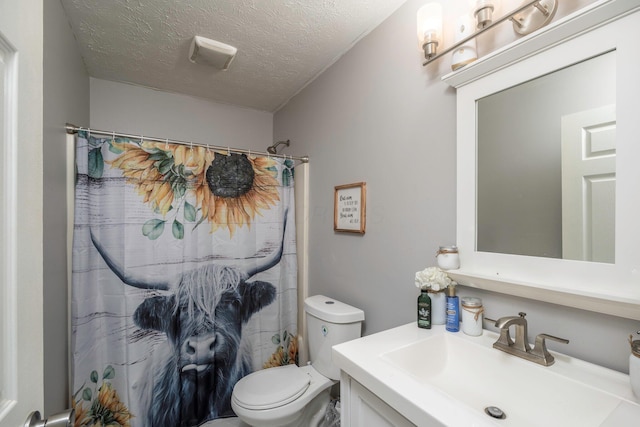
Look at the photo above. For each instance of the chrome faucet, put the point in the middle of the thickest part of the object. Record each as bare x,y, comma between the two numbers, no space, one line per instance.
520,347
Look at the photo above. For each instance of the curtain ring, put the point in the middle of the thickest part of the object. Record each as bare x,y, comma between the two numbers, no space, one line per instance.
166,144
113,136
228,151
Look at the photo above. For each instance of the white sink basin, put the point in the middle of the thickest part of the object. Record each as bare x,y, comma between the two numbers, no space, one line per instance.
477,376
450,378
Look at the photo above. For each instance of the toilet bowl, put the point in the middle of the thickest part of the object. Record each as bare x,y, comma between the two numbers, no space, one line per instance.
282,396
288,396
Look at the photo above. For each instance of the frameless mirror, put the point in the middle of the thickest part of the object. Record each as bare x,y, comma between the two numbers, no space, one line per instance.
546,165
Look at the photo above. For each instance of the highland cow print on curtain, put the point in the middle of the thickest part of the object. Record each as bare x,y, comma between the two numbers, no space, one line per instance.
184,279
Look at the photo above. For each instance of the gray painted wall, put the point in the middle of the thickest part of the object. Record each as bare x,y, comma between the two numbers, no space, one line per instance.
66,99
142,111
377,115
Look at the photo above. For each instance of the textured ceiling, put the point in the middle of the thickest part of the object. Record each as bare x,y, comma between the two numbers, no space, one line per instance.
282,44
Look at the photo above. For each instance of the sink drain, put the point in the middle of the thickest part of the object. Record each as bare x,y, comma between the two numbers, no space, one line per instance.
495,412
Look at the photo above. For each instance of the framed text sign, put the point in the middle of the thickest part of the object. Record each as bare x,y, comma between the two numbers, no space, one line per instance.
349,207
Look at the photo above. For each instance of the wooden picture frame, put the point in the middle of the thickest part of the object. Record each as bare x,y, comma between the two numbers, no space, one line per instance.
350,208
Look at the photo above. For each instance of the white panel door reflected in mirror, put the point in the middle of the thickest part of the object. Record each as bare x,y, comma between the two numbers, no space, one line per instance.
589,184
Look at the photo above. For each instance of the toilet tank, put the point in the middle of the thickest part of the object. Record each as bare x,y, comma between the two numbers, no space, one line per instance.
329,322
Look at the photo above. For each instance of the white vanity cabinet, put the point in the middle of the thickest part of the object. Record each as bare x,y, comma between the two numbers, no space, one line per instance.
362,408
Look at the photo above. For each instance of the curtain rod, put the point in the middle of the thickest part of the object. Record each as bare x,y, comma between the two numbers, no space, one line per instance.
73,129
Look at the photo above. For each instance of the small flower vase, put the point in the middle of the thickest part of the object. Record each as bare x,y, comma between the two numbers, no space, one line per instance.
438,307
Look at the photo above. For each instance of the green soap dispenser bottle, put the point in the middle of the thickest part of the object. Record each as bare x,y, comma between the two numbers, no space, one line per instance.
424,310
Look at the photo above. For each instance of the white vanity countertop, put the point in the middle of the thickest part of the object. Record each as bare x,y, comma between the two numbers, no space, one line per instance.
418,401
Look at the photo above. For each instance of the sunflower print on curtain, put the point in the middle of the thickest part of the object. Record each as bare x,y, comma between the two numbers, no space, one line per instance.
184,279
229,189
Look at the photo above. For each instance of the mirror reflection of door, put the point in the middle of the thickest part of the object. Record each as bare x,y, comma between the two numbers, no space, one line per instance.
589,184
521,204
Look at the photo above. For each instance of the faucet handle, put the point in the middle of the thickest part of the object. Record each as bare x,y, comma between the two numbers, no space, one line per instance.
542,337
540,348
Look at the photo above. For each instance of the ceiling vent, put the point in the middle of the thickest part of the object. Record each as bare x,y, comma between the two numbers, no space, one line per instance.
210,52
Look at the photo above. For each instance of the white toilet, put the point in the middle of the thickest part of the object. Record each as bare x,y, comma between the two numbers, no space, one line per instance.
297,396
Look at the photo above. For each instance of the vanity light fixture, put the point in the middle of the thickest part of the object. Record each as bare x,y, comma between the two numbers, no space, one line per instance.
534,17
483,11
528,17
429,28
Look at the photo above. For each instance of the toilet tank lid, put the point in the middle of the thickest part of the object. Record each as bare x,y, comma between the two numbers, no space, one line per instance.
328,309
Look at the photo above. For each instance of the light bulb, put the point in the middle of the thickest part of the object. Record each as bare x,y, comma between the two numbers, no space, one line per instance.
429,28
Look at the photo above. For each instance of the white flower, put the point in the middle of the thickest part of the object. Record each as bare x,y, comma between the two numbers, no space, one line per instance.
433,278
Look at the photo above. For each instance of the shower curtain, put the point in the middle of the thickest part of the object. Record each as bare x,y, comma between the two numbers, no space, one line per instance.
184,279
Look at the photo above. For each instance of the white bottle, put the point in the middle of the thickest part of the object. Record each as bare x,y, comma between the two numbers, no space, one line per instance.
634,366
466,53
438,307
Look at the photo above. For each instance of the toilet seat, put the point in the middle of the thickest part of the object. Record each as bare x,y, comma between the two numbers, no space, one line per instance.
271,388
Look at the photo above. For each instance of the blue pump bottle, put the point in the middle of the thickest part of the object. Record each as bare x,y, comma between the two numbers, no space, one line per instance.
453,310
